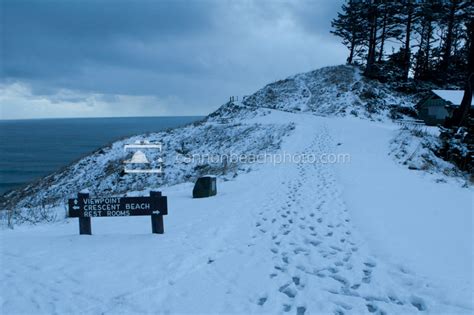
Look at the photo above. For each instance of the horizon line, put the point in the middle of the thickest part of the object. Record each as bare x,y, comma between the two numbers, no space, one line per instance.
99,117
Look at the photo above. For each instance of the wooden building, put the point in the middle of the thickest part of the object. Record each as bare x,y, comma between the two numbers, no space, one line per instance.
439,105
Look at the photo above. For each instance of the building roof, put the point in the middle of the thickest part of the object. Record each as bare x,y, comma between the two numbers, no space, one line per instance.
452,96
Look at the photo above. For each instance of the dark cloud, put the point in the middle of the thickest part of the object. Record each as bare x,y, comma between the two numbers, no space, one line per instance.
315,16
44,38
198,51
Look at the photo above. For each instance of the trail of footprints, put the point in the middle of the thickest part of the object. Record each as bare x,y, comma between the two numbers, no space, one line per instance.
312,243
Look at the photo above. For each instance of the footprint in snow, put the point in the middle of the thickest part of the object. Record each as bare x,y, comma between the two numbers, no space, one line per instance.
288,291
262,300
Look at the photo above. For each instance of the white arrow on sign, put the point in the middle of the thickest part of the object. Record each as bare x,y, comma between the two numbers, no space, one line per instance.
156,212
75,207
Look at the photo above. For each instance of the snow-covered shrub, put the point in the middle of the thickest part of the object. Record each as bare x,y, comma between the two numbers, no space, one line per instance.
455,148
417,147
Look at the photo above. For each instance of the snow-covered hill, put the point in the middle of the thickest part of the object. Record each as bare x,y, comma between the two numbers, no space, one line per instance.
331,91
364,235
368,236
102,172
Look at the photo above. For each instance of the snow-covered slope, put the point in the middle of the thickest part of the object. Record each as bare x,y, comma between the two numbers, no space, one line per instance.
365,235
368,236
102,172
331,91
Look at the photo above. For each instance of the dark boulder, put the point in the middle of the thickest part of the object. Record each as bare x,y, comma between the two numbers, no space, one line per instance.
205,186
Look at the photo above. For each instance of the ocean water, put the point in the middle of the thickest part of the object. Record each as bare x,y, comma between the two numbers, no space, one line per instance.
30,149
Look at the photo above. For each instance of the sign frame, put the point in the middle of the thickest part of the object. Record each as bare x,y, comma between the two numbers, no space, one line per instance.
85,208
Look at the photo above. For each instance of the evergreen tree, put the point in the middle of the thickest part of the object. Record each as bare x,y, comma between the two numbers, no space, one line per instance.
406,18
350,27
389,26
426,13
470,42
449,17
435,38
371,15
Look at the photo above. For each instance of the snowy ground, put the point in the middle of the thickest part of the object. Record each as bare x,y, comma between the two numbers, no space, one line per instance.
369,236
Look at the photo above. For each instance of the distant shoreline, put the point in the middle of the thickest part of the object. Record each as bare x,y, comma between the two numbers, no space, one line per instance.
100,117
34,148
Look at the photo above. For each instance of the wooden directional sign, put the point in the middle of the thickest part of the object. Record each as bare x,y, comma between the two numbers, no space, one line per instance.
84,208
117,206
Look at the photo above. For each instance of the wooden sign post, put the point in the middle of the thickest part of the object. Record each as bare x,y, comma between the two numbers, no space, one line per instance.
157,225
84,208
84,222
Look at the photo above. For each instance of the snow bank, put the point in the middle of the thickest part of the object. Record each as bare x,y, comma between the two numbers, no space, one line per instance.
416,147
420,222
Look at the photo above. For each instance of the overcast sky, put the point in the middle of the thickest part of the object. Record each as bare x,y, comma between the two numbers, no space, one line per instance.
92,58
